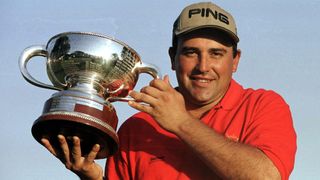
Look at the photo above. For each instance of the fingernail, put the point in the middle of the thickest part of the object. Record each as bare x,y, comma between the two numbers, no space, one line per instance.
75,138
96,147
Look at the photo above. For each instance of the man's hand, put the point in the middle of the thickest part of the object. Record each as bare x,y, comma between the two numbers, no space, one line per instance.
163,103
84,167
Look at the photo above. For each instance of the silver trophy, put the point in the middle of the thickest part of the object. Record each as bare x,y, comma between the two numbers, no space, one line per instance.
89,71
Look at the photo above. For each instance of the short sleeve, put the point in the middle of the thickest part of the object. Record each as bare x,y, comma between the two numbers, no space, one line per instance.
271,130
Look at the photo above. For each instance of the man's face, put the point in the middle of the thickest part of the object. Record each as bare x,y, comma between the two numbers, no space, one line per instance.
204,64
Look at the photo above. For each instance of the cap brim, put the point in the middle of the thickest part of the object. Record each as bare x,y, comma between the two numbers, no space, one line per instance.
188,30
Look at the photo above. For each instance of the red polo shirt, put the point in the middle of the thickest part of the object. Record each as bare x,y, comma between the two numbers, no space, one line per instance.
258,118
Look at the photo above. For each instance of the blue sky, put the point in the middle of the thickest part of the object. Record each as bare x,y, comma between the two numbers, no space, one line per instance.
279,42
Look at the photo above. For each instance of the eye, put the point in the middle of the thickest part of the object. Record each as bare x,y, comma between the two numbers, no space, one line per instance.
216,53
189,52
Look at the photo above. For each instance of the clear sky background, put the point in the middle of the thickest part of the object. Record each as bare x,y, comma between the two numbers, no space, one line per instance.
280,51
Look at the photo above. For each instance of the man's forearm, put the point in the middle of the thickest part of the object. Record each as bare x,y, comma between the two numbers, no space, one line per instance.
228,159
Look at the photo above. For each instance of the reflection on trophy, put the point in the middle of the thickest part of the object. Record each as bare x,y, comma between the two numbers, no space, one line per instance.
89,71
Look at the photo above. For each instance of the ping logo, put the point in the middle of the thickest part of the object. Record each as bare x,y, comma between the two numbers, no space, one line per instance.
208,13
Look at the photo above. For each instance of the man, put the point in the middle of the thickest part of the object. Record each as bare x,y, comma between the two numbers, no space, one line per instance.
209,127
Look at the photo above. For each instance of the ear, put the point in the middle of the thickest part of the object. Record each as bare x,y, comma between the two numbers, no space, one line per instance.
172,54
236,60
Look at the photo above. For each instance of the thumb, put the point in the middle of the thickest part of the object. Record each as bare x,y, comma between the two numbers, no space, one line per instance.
166,79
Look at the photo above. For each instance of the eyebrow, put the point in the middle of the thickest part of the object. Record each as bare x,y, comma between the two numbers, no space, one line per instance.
185,48
218,49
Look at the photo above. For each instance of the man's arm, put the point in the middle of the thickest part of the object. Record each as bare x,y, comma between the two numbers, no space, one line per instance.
228,159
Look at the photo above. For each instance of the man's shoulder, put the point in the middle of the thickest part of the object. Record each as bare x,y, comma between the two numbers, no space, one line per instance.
255,93
138,122
263,95
237,95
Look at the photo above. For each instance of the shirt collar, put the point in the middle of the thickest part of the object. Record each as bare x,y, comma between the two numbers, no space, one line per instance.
232,96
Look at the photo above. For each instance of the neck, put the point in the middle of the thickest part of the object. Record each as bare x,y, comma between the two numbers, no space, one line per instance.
200,110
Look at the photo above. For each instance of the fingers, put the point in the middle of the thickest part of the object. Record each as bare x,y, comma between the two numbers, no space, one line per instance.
147,95
65,151
161,84
150,95
166,79
48,146
71,156
76,150
155,90
141,107
93,154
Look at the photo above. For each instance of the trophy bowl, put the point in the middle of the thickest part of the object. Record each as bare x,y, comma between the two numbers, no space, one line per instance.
89,71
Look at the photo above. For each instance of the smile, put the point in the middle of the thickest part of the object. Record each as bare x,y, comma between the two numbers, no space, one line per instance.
202,80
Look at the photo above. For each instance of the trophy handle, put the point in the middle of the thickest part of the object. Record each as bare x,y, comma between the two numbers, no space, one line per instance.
26,55
149,69
139,68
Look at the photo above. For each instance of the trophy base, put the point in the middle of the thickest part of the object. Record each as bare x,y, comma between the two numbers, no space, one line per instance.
76,113
74,124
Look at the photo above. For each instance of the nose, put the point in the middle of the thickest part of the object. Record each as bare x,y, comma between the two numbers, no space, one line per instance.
203,65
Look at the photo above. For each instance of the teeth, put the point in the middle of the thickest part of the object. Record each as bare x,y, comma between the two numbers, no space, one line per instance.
203,80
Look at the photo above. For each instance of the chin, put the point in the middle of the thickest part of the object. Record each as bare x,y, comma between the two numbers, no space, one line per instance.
202,100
